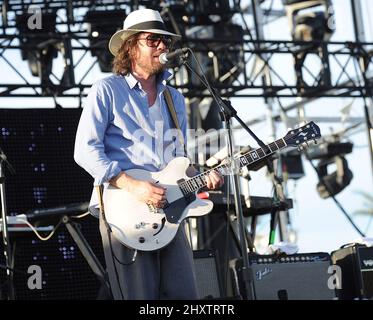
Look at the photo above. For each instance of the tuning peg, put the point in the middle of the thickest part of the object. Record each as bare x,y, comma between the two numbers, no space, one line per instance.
300,148
306,143
314,141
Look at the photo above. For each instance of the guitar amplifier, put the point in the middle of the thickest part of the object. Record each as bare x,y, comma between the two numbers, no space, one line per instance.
207,275
286,277
356,264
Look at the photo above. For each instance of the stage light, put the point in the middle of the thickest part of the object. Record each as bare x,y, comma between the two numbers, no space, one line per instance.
329,150
207,20
222,61
311,20
36,47
207,11
100,26
174,14
331,155
333,183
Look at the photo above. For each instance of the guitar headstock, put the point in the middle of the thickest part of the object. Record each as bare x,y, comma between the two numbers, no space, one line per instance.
304,134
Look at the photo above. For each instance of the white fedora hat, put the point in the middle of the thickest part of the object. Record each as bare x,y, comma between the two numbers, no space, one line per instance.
143,20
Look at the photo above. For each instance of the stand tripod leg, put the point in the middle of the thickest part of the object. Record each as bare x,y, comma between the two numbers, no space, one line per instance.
273,225
89,255
254,220
5,235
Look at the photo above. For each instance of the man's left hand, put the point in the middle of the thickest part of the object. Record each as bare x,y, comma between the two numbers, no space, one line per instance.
214,180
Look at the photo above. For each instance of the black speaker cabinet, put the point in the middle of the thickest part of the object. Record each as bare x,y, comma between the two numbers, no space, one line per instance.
285,277
66,274
356,264
208,280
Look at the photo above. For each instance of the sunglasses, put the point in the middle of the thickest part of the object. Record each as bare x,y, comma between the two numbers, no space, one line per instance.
153,40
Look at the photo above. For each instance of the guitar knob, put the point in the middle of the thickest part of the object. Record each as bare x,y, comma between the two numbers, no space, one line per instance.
155,225
141,239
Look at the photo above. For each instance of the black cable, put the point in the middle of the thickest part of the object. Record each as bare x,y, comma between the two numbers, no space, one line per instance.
226,247
159,260
108,232
114,257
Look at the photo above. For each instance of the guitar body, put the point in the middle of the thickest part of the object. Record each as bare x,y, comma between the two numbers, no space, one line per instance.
139,226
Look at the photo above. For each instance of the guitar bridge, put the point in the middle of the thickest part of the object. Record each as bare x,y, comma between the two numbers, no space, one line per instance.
153,209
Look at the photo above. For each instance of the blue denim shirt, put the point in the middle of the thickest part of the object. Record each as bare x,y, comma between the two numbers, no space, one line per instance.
115,132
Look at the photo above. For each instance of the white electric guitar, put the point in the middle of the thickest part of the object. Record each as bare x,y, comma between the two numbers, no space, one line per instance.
143,227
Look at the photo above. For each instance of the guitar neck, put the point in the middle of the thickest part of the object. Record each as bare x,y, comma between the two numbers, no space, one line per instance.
251,157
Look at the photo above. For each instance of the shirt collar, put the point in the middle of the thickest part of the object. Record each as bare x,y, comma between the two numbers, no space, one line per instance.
131,80
162,78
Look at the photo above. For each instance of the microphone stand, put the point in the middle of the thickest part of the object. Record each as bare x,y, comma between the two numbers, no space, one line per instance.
4,225
279,195
226,113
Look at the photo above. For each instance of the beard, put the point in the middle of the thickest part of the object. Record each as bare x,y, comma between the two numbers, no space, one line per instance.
150,67
157,69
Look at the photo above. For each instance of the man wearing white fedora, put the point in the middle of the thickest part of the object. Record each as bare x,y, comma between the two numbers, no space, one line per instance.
120,108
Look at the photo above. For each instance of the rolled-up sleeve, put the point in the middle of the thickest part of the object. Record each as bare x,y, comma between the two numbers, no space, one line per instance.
89,151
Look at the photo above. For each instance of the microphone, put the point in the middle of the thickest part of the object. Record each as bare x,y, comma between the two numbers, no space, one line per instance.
167,57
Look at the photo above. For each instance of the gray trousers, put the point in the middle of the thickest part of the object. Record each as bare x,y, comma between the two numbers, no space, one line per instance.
167,273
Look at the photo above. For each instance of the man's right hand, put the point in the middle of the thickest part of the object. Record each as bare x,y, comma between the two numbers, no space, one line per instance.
144,191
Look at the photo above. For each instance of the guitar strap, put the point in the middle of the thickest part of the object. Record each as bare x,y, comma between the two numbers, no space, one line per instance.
171,109
100,190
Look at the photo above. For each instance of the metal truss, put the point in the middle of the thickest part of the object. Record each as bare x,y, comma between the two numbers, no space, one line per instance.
235,66
296,79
